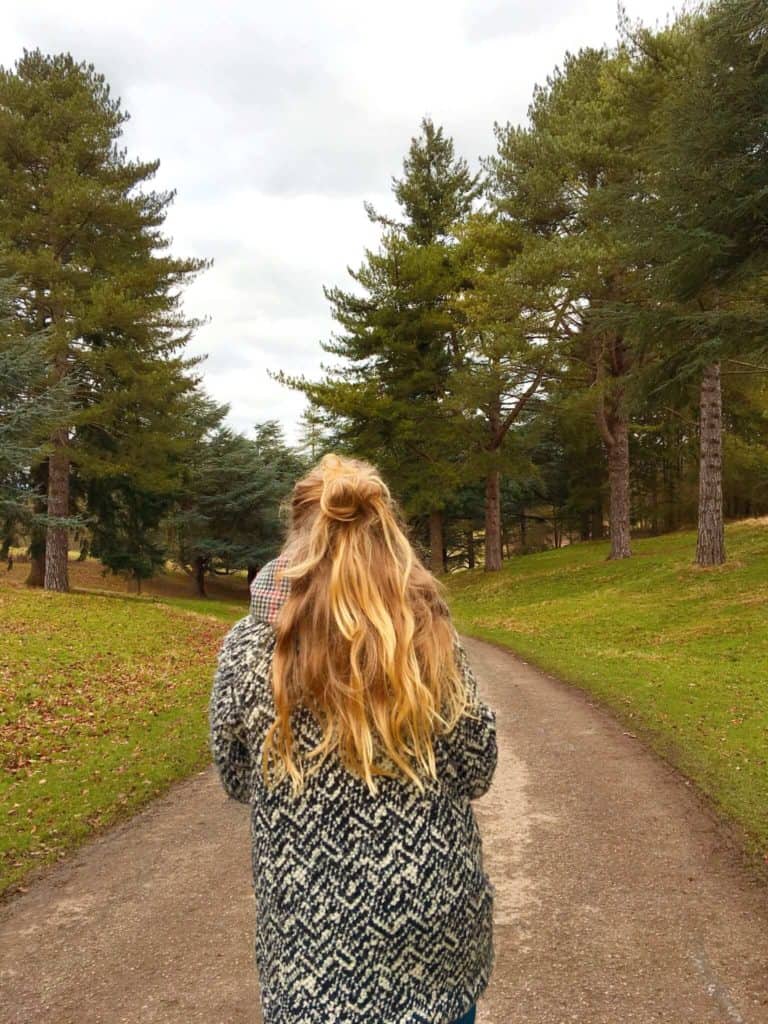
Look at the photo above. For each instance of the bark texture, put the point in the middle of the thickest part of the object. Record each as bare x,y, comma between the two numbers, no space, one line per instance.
493,521
436,544
710,542
614,429
36,576
57,537
618,477
612,362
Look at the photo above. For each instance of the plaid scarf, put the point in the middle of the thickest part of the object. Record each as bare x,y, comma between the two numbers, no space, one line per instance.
269,592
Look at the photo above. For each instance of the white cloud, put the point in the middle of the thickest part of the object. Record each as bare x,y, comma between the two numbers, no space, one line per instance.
274,123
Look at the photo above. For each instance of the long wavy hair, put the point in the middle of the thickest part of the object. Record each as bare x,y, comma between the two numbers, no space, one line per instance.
364,640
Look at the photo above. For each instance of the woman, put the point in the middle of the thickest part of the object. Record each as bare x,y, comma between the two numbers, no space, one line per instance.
345,713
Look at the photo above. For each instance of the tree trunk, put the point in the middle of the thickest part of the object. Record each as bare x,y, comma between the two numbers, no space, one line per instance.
470,548
36,576
200,577
710,543
57,537
493,521
253,571
612,357
618,483
436,558
523,531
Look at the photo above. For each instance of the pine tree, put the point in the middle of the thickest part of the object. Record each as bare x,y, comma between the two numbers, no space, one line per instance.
561,180
437,190
508,354
701,228
127,537
316,433
84,242
228,518
399,340
134,481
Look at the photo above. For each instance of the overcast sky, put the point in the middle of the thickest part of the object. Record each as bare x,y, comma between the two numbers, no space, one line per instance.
275,121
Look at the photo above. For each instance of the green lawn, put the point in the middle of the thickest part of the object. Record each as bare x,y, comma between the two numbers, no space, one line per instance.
103,704
103,697
680,653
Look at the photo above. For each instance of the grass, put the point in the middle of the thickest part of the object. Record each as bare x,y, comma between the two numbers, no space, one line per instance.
103,696
679,653
103,705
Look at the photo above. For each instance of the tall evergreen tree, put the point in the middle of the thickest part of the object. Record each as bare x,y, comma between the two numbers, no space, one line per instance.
561,180
508,353
400,338
85,244
702,228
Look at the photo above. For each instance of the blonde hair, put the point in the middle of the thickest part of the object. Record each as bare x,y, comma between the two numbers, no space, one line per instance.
365,639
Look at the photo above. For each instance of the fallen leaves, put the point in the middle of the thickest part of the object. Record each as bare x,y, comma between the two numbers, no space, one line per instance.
102,703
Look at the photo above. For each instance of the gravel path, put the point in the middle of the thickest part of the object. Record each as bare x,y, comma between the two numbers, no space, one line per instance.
619,899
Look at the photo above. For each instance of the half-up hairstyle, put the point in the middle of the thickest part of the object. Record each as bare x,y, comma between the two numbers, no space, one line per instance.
364,640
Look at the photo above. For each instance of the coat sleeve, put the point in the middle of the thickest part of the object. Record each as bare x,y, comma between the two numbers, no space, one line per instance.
469,753
228,738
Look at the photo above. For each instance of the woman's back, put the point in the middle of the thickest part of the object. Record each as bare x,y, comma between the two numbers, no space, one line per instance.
370,906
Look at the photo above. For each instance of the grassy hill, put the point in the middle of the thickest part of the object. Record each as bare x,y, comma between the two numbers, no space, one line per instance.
679,653
103,704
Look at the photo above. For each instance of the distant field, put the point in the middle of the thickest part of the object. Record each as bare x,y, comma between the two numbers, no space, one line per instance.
678,652
103,704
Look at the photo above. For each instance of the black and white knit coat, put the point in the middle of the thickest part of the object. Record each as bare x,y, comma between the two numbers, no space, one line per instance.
369,909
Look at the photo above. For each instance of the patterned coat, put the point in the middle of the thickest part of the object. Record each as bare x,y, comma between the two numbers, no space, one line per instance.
369,910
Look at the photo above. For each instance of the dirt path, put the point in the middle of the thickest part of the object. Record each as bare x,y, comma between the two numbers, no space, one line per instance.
618,898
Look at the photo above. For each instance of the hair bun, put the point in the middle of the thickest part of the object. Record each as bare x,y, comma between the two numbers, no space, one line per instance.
350,491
